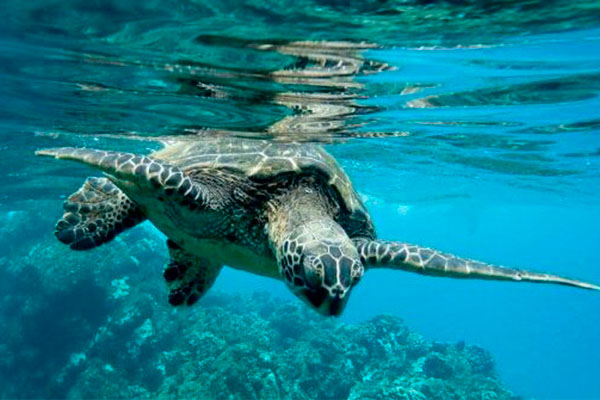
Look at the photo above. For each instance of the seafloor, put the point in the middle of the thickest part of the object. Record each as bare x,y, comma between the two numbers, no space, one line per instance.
96,324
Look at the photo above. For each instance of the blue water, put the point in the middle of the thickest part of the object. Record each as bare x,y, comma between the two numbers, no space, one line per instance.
479,137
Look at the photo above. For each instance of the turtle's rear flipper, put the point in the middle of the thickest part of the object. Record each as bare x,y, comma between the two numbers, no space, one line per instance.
407,257
95,214
188,277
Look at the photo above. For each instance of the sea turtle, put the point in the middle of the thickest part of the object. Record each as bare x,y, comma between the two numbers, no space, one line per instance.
286,211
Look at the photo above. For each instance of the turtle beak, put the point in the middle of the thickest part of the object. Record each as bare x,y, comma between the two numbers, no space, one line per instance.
335,305
324,302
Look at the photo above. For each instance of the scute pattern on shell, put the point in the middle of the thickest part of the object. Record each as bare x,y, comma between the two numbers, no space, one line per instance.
262,161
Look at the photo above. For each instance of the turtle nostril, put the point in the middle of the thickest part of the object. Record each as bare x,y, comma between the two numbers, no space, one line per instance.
337,291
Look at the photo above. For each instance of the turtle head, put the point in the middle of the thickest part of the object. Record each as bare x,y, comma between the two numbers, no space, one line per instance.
320,265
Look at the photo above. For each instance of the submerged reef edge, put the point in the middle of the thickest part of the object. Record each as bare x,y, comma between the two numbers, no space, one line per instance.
96,324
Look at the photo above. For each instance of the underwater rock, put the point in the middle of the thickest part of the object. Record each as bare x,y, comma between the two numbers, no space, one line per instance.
57,301
437,367
96,325
245,347
480,360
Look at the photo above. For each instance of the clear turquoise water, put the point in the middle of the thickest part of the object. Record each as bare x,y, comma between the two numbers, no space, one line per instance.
482,140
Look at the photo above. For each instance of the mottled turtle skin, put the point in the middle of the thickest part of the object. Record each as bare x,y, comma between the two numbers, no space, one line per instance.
286,211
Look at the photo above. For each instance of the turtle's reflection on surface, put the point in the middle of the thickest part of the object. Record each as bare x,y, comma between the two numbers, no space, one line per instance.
319,89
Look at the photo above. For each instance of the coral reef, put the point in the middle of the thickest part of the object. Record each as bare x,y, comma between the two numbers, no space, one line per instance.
96,324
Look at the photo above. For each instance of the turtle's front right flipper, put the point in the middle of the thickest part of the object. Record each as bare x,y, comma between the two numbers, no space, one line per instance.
407,257
95,214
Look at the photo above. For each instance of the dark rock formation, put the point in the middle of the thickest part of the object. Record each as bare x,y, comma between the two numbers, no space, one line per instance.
97,324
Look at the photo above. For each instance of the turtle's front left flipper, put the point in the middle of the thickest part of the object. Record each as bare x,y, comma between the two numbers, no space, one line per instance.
188,277
407,257
126,169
